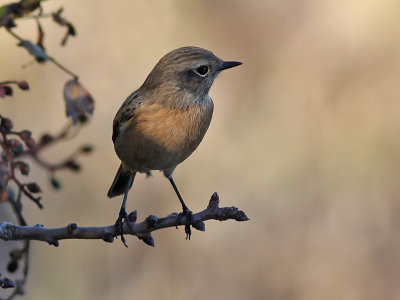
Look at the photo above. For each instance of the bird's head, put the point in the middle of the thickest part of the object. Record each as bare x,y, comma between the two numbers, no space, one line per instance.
187,70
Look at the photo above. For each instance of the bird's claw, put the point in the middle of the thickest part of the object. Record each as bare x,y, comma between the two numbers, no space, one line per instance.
188,214
119,225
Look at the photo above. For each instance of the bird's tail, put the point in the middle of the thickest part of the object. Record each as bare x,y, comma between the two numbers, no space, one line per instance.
118,186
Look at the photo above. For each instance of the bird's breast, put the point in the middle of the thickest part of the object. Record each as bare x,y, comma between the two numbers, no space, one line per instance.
160,137
175,129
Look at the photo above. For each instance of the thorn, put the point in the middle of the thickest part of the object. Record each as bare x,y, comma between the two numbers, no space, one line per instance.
199,225
215,196
214,201
147,239
132,217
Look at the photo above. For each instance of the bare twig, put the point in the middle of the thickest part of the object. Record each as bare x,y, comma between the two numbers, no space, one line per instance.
14,34
41,16
62,67
142,230
52,59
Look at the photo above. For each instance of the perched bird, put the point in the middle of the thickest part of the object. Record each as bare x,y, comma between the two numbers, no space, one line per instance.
159,125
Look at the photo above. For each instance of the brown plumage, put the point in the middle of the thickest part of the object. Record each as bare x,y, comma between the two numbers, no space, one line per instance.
162,123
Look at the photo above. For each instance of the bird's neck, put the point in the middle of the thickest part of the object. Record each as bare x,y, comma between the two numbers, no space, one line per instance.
173,97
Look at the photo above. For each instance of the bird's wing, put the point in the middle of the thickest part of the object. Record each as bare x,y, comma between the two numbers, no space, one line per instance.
126,112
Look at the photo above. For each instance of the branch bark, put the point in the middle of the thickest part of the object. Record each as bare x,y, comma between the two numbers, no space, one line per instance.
11,232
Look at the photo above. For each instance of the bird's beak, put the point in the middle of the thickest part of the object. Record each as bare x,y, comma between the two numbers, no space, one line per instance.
229,64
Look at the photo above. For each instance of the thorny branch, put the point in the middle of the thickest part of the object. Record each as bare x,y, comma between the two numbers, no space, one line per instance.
142,230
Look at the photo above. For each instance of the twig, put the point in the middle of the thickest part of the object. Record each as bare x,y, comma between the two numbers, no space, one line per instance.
67,133
48,15
11,232
14,34
52,59
20,283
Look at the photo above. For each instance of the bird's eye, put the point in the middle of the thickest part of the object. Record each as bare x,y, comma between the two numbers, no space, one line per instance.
202,71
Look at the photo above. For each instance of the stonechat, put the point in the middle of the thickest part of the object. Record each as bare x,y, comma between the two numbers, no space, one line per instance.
159,125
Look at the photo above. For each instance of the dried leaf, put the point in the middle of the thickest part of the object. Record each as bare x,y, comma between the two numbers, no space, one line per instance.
23,85
30,143
25,134
7,283
55,183
3,11
7,21
33,187
6,123
8,12
12,266
70,32
35,50
79,103
14,10
16,147
24,168
29,6
73,166
6,91
12,143
40,35
87,149
46,138
63,22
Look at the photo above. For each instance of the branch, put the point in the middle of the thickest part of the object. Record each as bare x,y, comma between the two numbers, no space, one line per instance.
17,254
142,230
52,59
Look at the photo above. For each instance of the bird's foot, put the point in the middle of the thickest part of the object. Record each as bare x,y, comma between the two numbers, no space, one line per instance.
119,225
188,215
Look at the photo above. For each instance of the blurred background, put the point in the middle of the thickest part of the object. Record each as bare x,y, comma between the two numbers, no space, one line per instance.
304,139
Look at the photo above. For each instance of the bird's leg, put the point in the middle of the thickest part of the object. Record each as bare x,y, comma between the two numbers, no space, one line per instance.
123,215
186,211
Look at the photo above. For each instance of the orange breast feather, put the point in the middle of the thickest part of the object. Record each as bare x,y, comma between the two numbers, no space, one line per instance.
173,128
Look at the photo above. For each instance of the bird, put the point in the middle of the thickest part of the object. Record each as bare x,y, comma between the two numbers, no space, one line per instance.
160,124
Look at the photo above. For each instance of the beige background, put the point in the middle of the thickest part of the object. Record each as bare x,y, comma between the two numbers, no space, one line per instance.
305,139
